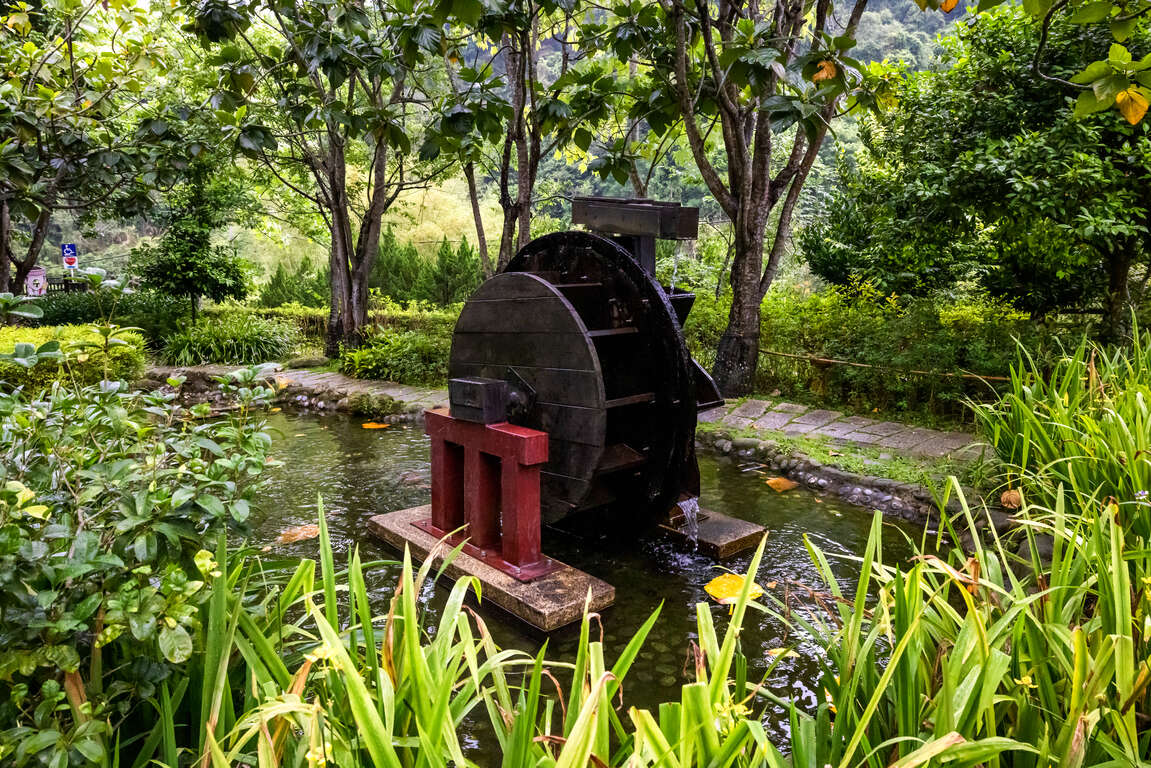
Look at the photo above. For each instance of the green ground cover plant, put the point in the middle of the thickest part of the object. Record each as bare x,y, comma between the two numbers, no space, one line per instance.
232,338
90,365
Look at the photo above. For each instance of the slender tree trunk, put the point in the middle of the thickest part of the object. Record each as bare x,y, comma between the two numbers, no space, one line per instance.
477,214
514,140
738,352
1117,315
5,253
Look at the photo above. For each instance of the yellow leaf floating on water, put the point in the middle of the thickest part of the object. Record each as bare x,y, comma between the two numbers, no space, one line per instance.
781,484
374,425
948,5
275,410
725,589
1132,104
292,535
785,652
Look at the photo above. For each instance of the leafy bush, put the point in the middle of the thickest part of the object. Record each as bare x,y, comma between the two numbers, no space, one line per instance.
1083,424
452,276
408,357
102,571
918,349
120,362
312,322
156,314
396,272
230,338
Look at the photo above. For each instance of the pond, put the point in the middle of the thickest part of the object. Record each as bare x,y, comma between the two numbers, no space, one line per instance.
364,472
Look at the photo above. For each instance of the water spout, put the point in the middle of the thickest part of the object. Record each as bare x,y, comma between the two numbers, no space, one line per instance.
690,528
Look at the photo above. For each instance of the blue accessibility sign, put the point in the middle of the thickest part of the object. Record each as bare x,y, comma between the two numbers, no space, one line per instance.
68,255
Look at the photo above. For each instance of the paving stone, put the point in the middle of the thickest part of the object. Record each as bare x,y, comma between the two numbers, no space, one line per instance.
751,409
773,420
797,429
835,429
945,443
863,438
857,422
817,418
883,428
714,414
909,438
739,422
789,407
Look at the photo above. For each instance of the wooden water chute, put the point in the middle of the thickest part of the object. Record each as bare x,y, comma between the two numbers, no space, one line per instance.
592,351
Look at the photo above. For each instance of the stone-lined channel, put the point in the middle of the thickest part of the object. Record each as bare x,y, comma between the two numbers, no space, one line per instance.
363,472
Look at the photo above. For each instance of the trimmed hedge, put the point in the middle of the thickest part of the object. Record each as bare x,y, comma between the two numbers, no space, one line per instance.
155,313
123,362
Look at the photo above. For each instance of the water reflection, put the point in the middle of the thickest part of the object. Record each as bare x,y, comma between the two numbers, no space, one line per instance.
362,472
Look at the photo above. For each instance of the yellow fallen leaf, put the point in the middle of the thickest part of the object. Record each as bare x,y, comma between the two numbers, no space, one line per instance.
770,585
826,71
276,410
374,425
292,535
1132,104
948,5
785,652
781,484
725,589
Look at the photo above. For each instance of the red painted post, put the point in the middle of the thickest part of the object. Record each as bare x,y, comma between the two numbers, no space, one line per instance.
488,476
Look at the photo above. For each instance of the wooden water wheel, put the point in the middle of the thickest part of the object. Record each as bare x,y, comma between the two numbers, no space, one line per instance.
593,351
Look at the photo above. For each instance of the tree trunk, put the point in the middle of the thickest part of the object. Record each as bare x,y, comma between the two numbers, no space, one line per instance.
477,214
737,356
514,64
5,253
339,320
1117,313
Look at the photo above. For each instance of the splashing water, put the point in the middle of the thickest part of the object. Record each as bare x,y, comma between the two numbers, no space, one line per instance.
690,509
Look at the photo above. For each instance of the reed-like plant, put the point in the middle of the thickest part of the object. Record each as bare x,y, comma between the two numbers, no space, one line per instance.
1084,425
967,659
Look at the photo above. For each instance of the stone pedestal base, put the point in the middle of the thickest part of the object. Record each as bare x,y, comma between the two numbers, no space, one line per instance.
719,536
547,603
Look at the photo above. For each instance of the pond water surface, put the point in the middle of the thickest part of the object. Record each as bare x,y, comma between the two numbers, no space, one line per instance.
364,472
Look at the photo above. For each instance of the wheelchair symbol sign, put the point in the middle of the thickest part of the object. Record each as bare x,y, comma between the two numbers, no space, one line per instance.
69,257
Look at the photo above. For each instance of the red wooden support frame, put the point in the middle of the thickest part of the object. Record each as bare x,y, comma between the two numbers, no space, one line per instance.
486,492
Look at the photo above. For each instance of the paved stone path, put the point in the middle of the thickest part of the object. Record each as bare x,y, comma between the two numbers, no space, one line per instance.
337,385
791,419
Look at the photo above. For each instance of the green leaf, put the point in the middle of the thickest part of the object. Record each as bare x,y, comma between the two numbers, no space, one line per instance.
1091,13
1092,72
175,644
1118,55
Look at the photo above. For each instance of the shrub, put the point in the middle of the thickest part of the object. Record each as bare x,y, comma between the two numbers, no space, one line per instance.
236,339
103,521
408,357
452,276
917,355
396,272
122,362
156,314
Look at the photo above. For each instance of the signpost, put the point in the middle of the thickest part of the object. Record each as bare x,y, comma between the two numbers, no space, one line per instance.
68,256
36,283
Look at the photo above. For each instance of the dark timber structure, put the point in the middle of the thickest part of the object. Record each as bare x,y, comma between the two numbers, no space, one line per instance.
571,391
591,350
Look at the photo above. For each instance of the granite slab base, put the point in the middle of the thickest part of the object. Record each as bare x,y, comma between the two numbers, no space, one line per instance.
547,603
719,536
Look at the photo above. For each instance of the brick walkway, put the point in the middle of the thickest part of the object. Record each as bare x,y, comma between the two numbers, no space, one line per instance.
790,419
